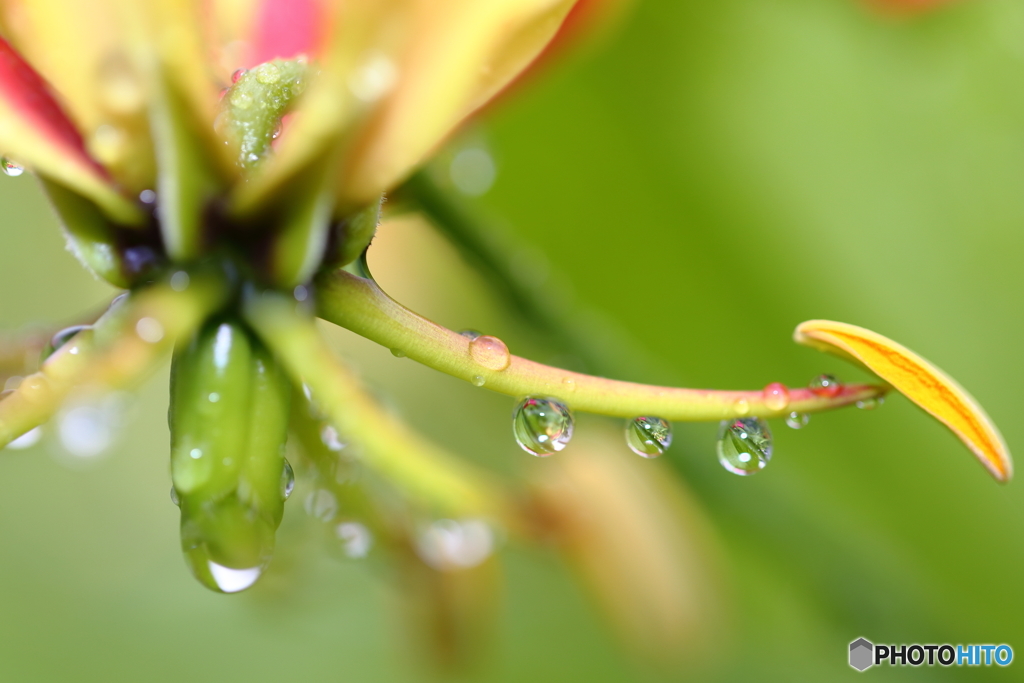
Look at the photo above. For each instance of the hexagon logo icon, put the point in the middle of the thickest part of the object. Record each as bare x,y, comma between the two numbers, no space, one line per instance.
861,651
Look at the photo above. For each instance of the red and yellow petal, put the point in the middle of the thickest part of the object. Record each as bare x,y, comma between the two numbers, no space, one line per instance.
920,381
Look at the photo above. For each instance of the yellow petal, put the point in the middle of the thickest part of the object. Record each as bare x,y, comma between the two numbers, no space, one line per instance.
457,55
920,381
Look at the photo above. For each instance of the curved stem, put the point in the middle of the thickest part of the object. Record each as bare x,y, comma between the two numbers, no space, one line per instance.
117,352
423,471
361,306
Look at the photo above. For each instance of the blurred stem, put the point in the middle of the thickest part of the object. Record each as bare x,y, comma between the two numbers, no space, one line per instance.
359,305
484,249
124,344
424,472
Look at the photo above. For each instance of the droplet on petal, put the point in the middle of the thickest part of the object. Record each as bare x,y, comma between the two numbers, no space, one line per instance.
797,420
648,437
776,396
490,352
542,426
825,386
744,445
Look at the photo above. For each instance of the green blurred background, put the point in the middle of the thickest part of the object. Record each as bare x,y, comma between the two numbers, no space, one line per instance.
705,179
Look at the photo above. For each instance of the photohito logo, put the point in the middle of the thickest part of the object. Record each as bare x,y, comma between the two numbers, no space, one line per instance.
865,654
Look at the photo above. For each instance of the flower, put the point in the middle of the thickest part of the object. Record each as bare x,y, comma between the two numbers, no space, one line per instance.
227,167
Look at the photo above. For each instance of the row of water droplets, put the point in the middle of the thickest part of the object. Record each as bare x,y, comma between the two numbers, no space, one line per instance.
544,426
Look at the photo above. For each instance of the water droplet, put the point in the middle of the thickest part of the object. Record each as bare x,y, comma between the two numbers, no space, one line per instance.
180,281
569,384
147,197
240,99
330,438
542,426
826,386
237,75
234,580
470,334
472,171
60,339
226,546
776,396
321,504
300,293
149,330
478,381
744,445
88,431
871,403
450,544
214,397
373,78
195,453
287,480
648,437
398,353
174,496
490,352
356,539
267,73
797,420
741,406
26,440
10,168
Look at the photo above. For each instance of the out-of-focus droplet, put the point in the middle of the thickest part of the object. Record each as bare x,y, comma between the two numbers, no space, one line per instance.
470,334
60,339
797,420
472,171
569,384
826,386
330,438
231,580
648,437
374,77
10,168
301,293
741,406
489,352
478,380
356,539
147,197
542,426
267,73
744,445
180,281
398,353
322,504
237,75
174,496
776,396
149,330
287,480
26,440
871,403
87,431
450,544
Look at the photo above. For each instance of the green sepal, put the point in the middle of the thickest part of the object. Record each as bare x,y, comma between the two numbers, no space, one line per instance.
355,232
304,227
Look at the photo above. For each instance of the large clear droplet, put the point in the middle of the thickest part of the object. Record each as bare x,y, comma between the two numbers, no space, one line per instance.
26,440
287,480
744,445
826,386
542,426
648,437
225,545
489,352
230,580
10,168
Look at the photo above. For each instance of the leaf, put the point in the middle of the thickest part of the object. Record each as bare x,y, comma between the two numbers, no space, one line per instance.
920,381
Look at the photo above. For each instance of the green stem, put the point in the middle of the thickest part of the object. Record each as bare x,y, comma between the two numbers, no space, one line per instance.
117,352
359,305
423,471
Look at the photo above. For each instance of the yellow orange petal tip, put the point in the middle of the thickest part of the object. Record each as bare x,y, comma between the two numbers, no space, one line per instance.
922,382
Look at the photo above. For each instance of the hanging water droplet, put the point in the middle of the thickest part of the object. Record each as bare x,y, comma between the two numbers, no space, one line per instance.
60,339
569,384
648,437
871,403
776,396
174,496
26,440
826,386
489,352
470,334
741,406
330,438
287,480
147,197
225,545
797,420
744,445
237,75
10,168
398,353
542,426
356,539
180,281
301,293
478,380
450,544
321,504
230,580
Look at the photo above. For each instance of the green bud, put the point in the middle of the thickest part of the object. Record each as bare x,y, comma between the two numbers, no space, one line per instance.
226,544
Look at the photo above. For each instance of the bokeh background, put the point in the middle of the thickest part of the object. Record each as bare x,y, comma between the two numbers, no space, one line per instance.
686,191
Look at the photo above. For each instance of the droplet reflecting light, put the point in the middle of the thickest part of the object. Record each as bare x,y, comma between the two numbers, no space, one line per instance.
744,445
542,426
648,437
